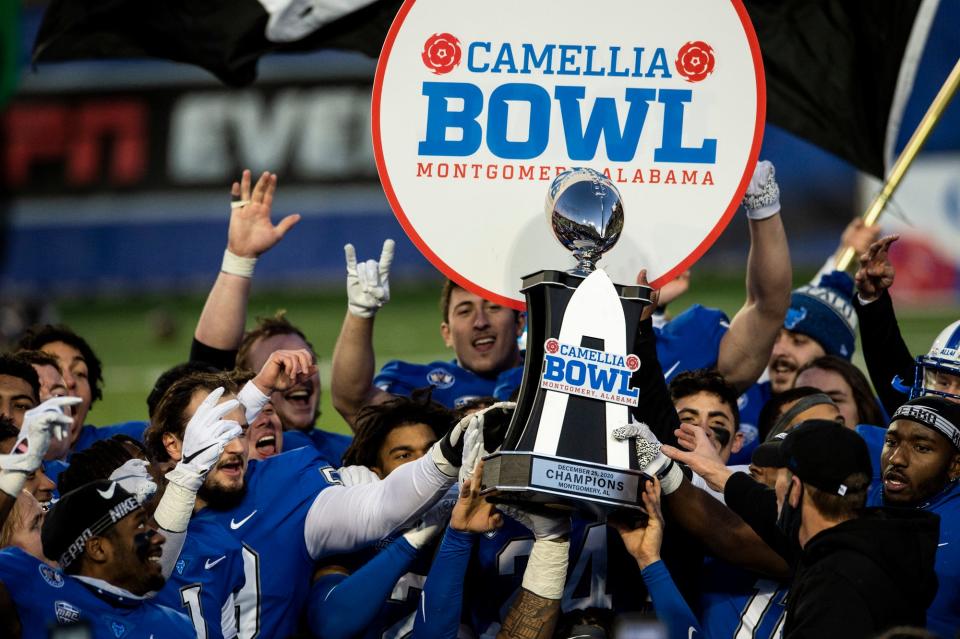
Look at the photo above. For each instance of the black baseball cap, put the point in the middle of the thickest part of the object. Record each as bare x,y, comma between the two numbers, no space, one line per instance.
86,512
823,453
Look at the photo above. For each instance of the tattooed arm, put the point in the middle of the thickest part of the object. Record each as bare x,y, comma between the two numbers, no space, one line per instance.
531,617
536,610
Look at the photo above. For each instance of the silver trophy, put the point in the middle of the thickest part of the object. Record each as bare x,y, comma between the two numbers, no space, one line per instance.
585,211
561,448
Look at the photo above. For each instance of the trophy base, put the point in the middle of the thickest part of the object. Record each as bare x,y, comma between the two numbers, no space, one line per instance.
558,483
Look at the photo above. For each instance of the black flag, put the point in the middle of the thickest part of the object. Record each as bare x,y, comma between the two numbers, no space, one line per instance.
225,37
834,67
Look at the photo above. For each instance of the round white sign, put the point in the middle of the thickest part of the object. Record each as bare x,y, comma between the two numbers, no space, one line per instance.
477,107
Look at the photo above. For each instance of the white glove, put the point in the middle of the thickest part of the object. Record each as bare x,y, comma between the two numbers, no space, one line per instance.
434,520
356,475
368,283
762,199
649,458
39,425
134,478
204,439
472,449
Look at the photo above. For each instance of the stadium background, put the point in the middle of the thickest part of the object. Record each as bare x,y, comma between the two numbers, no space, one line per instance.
118,174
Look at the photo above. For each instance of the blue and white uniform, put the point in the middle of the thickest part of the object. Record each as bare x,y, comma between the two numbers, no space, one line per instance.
46,598
452,385
331,446
89,435
288,519
206,579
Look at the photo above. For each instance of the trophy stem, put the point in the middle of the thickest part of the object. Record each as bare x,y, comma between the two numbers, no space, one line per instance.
586,262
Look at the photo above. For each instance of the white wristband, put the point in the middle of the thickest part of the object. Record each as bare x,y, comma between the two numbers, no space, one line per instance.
253,400
236,265
12,481
672,479
175,508
546,571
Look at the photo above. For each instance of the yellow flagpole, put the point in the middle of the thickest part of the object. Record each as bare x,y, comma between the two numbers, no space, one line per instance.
920,135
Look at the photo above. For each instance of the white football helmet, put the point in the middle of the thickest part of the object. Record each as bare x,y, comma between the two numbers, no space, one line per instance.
938,372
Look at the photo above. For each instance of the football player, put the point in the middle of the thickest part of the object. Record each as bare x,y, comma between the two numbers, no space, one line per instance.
482,334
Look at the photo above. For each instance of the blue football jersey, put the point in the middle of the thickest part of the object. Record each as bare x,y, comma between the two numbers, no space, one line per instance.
46,598
452,386
331,446
396,616
737,604
691,340
208,575
749,404
89,435
600,574
269,523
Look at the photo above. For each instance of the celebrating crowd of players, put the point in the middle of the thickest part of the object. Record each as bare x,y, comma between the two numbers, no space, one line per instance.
785,497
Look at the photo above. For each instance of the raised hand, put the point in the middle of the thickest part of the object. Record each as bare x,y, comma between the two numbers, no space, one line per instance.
876,273
204,439
473,513
251,231
643,541
762,199
648,310
368,283
701,456
40,424
285,369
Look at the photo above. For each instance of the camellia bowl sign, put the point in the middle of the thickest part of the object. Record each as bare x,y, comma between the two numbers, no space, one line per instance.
478,106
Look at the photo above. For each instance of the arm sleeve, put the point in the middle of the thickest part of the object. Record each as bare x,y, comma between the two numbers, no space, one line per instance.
219,359
654,406
438,616
757,505
344,518
884,351
170,552
343,606
669,605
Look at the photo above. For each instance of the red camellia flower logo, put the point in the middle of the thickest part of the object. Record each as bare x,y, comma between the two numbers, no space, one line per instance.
441,53
695,61
633,362
552,346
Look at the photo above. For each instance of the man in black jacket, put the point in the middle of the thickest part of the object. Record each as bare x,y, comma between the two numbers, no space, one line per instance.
857,572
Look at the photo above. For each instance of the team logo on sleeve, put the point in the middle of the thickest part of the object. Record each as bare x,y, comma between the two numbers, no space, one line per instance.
67,613
578,370
51,575
441,378
118,629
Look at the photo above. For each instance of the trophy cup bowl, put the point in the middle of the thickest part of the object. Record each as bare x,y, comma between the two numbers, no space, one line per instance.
585,211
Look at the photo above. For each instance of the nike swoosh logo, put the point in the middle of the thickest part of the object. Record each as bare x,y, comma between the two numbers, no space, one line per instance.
692,631
189,458
108,493
670,372
210,564
943,544
236,524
